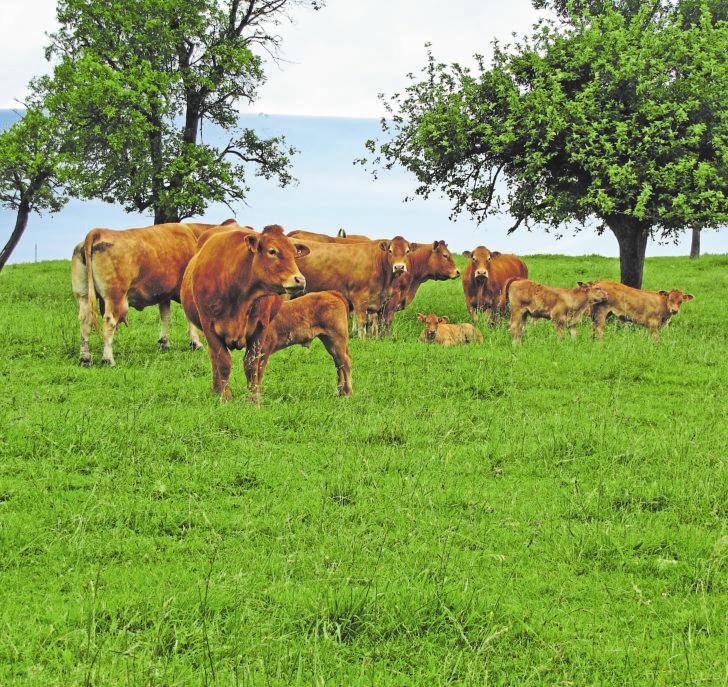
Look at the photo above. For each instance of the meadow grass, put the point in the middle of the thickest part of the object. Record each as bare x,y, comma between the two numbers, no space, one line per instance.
488,515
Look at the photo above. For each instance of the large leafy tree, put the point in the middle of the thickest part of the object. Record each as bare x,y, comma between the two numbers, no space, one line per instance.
617,115
137,79
33,169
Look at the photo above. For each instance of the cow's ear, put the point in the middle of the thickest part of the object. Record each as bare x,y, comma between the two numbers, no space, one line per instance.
467,254
444,319
688,296
421,317
664,293
302,250
493,254
384,245
252,242
414,246
435,244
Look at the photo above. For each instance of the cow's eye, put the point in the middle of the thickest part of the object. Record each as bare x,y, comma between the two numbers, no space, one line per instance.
391,251
272,251
475,259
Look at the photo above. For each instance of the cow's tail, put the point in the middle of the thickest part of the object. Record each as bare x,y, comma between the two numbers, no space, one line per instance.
503,302
93,305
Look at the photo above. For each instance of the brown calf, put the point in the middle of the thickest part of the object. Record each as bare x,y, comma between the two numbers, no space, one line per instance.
485,276
651,309
275,324
231,270
438,330
564,307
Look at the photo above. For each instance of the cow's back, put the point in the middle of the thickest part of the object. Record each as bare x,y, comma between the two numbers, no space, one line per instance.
502,268
344,268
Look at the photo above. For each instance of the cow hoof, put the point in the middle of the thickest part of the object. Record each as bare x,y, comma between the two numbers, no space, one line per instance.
108,361
163,344
85,362
226,395
195,346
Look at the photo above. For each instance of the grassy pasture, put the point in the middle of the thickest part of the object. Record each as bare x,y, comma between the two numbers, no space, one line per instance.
554,514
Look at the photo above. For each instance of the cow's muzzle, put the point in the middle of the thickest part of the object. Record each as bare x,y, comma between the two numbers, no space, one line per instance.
399,268
481,275
295,285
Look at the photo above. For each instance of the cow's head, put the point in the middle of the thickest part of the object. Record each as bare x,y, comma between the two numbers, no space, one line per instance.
440,265
398,250
274,260
674,299
481,258
432,322
594,295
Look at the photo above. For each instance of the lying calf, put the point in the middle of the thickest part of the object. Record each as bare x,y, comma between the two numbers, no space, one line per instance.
275,324
651,309
564,307
438,330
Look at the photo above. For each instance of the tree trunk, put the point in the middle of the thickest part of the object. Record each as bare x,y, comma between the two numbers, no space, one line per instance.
632,237
21,223
162,216
695,245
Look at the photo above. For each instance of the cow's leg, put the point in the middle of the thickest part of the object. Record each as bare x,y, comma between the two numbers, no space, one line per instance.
360,318
254,365
373,323
221,364
473,311
338,349
517,321
599,317
559,324
79,284
194,334
115,309
165,313
653,327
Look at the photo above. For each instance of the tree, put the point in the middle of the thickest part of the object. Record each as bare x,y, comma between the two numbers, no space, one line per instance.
32,170
695,244
618,116
136,80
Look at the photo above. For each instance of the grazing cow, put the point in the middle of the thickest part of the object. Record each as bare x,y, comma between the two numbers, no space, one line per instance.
362,272
303,235
428,261
484,278
439,330
274,324
231,270
651,309
564,307
137,267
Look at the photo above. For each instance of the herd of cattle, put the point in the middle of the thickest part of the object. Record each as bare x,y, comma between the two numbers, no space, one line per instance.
245,289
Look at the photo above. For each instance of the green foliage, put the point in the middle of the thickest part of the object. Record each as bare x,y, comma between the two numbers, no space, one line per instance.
618,116
483,515
137,79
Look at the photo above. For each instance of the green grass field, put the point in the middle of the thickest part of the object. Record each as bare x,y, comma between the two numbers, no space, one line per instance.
487,515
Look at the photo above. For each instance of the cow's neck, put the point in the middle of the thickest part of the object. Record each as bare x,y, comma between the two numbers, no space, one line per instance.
418,267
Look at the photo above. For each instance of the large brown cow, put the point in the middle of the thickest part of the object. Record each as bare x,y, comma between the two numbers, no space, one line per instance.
564,307
231,270
274,324
303,235
428,261
484,278
362,272
651,309
131,267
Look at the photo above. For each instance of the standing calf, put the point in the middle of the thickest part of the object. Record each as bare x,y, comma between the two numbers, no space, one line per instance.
564,307
438,330
651,309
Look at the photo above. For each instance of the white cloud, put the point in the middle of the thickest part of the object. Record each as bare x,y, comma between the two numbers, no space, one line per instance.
338,59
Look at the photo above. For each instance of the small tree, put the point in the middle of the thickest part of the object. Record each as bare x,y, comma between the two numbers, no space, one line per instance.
136,80
32,170
616,116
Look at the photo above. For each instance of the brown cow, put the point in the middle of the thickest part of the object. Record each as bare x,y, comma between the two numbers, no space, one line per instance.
137,267
439,330
651,309
564,307
303,235
428,261
485,276
362,272
274,324
231,270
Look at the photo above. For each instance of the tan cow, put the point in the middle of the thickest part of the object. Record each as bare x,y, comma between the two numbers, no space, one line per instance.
427,261
362,272
303,235
131,267
651,309
485,276
439,330
274,324
231,270
564,307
